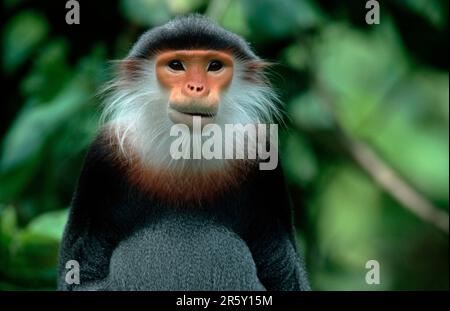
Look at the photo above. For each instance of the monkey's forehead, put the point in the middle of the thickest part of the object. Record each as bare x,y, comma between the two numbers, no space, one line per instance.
192,32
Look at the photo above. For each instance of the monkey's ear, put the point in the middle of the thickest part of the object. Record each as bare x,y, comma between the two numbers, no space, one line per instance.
124,73
254,70
258,64
129,69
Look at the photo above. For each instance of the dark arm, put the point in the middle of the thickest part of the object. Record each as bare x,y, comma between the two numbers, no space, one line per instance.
94,226
272,240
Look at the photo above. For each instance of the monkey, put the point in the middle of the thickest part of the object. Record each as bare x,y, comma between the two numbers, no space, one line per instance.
140,220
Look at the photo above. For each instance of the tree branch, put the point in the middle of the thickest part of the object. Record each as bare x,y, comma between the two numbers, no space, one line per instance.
382,173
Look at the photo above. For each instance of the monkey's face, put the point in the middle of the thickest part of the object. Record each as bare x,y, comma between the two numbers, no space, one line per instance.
154,93
195,81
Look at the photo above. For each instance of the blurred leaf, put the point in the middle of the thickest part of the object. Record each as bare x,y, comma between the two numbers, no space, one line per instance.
35,124
310,112
25,141
8,221
299,160
433,10
34,261
49,225
386,106
296,56
419,153
235,19
21,35
50,72
146,12
33,257
8,234
348,223
281,18
183,6
357,92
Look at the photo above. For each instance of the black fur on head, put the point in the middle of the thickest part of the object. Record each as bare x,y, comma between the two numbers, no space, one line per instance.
188,33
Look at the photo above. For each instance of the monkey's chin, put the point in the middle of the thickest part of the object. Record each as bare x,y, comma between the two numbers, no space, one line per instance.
178,117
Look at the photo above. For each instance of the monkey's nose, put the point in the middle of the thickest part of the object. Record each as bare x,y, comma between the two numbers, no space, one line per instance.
195,89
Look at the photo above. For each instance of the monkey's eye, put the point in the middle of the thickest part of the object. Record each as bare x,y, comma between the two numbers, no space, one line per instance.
215,65
176,65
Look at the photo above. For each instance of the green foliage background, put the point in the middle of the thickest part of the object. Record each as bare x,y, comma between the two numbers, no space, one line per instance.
384,85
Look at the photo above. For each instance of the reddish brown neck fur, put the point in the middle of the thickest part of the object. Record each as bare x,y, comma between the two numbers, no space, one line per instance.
178,186
187,186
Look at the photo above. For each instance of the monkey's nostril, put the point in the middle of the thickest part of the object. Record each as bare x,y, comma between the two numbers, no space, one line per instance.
195,88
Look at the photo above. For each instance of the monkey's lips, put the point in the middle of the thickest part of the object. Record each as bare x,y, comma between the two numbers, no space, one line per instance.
187,117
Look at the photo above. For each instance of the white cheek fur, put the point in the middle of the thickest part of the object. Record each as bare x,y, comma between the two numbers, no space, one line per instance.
136,114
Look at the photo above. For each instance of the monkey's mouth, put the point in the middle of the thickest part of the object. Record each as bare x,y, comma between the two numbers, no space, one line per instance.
199,114
187,117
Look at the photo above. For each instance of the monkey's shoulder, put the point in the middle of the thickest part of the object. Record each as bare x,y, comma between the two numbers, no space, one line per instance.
103,172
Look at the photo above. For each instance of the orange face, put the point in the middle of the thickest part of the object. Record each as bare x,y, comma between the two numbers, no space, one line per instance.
195,80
